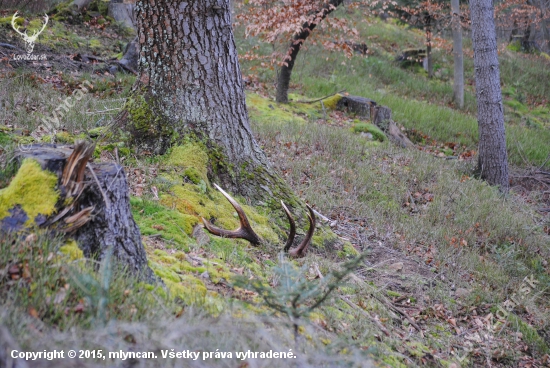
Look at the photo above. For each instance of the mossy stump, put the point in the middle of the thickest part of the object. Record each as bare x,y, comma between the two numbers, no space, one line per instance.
111,227
378,114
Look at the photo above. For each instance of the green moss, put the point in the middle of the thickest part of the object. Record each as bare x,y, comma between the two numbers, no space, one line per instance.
417,349
190,290
326,239
103,7
153,218
265,110
392,294
349,250
4,138
64,137
514,46
189,199
32,188
149,128
95,44
72,250
6,21
192,158
377,133
332,101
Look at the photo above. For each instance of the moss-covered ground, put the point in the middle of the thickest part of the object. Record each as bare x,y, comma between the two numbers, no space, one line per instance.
443,250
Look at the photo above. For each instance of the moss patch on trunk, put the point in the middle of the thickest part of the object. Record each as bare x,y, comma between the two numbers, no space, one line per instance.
33,190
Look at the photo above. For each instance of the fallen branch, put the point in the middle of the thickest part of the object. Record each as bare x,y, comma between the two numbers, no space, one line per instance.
376,321
391,306
320,99
103,111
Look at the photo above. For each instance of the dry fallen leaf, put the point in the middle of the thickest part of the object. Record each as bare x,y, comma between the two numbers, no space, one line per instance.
33,312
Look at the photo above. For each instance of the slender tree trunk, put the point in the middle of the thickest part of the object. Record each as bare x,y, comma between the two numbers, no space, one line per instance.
298,40
190,83
458,55
429,51
493,159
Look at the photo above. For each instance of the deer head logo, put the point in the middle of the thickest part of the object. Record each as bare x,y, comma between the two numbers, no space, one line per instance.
30,40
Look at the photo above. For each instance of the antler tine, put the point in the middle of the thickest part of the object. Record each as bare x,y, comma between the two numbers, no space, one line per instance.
300,250
292,228
243,232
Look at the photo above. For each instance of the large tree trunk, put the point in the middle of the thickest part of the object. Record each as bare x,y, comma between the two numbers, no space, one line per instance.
493,159
298,40
190,81
457,55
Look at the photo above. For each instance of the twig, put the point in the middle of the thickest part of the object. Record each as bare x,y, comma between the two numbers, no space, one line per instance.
324,218
318,271
154,236
392,307
112,181
99,186
320,99
363,312
545,161
103,111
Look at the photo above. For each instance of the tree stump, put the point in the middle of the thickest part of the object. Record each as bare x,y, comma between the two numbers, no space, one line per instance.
123,12
111,226
378,114
361,106
131,54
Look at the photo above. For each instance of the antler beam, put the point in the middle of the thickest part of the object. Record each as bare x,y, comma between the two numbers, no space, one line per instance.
243,232
301,250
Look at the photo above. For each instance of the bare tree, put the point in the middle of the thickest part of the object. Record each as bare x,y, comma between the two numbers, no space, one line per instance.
493,158
457,54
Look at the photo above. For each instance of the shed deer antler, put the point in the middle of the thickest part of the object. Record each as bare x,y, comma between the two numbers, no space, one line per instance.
30,40
301,249
245,230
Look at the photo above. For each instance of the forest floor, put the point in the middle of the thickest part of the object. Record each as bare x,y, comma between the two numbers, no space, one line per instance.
444,253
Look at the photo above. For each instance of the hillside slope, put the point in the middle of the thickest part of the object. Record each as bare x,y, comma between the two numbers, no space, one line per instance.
443,253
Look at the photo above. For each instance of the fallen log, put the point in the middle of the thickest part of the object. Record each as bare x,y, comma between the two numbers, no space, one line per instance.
93,206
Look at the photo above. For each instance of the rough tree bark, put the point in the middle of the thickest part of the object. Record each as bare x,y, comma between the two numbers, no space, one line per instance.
283,81
111,226
457,55
189,77
493,158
